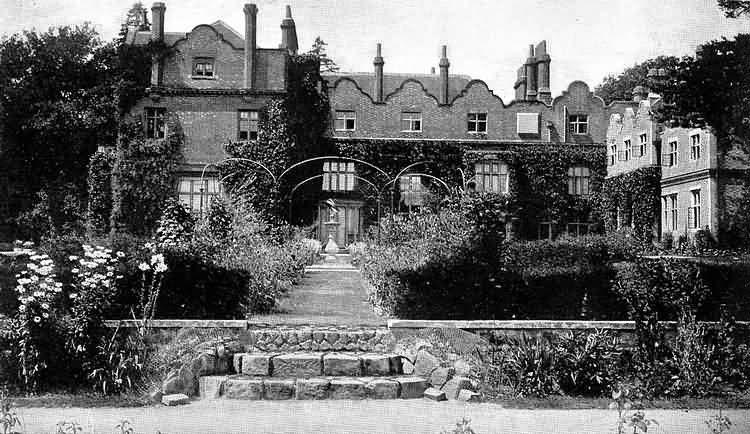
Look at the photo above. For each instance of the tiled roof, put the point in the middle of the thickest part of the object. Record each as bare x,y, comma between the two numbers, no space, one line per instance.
170,38
391,82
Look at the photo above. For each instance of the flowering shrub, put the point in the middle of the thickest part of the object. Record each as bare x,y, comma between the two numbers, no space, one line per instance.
219,221
33,328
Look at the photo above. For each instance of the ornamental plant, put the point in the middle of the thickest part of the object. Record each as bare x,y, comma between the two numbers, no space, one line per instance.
94,277
33,327
175,225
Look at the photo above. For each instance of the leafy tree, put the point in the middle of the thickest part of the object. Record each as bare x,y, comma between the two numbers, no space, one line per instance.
319,49
137,17
620,87
734,8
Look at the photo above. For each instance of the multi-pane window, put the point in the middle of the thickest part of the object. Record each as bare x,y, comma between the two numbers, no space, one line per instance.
577,229
671,212
627,153
248,125
156,125
338,176
412,192
346,120
578,181
578,124
545,230
196,194
694,212
642,145
491,176
695,147
203,67
411,121
477,123
670,158
612,154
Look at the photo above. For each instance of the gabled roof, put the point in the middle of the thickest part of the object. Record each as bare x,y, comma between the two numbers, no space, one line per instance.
391,82
229,34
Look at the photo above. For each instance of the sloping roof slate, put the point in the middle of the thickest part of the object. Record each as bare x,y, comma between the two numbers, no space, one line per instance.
170,38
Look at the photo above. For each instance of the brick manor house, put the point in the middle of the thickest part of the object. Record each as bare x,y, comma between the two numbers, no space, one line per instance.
216,80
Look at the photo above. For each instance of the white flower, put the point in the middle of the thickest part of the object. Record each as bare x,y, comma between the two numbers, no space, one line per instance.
58,285
120,255
47,262
73,257
75,270
22,307
161,267
157,259
45,306
45,314
73,295
38,293
37,319
143,266
24,281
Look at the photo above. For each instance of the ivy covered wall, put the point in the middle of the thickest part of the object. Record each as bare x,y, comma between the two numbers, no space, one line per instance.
636,194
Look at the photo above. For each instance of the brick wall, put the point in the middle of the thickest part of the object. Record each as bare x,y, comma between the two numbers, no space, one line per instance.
450,121
207,122
630,124
229,63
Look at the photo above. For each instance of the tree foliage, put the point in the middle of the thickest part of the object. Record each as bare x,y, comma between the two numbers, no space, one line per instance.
319,50
620,87
734,8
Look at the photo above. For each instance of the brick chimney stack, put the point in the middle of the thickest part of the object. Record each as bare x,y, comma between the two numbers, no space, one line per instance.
520,86
531,75
444,65
289,32
378,62
543,61
157,35
251,31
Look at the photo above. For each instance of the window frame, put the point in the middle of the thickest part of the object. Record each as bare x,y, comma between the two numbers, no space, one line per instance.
411,118
577,126
579,184
341,115
628,144
613,153
670,204
154,115
334,176
414,191
695,147
672,155
199,65
694,210
485,181
524,118
577,225
250,121
477,122
195,195
643,143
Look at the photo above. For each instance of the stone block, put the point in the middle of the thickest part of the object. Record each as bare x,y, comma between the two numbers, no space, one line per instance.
312,388
376,364
347,388
342,365
382,389
277,389
397,365
407,367
256,364
469,396
455,385
175,399
434,394
318,336
204,364
297,365
412,387
243,388
425,363
209,387
440,376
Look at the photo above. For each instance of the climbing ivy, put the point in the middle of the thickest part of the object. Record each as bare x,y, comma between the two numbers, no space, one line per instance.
636,194
99,183
290,129
143,176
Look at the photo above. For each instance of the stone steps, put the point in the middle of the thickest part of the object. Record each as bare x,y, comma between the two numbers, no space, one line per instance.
313,388
312,364
291,339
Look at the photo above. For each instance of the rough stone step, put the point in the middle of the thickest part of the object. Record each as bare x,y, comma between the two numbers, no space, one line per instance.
316,388
312,364
318,339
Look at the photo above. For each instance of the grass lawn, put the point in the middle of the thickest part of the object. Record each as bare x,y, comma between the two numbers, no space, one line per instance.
81,399
578,402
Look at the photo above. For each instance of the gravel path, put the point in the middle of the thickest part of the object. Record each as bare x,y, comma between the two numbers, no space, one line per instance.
396,416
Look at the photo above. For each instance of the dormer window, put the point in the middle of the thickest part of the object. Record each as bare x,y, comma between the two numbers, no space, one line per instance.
346,120
411,122
695,147
578,124
203,67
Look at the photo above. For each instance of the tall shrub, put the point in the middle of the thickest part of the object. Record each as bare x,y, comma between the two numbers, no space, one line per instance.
99,206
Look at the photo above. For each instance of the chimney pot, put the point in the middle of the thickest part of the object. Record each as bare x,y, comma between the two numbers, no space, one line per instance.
157,34
251,30
289,32
378,85
444,65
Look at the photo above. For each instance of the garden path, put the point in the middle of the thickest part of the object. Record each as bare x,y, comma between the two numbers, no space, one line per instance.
329,294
